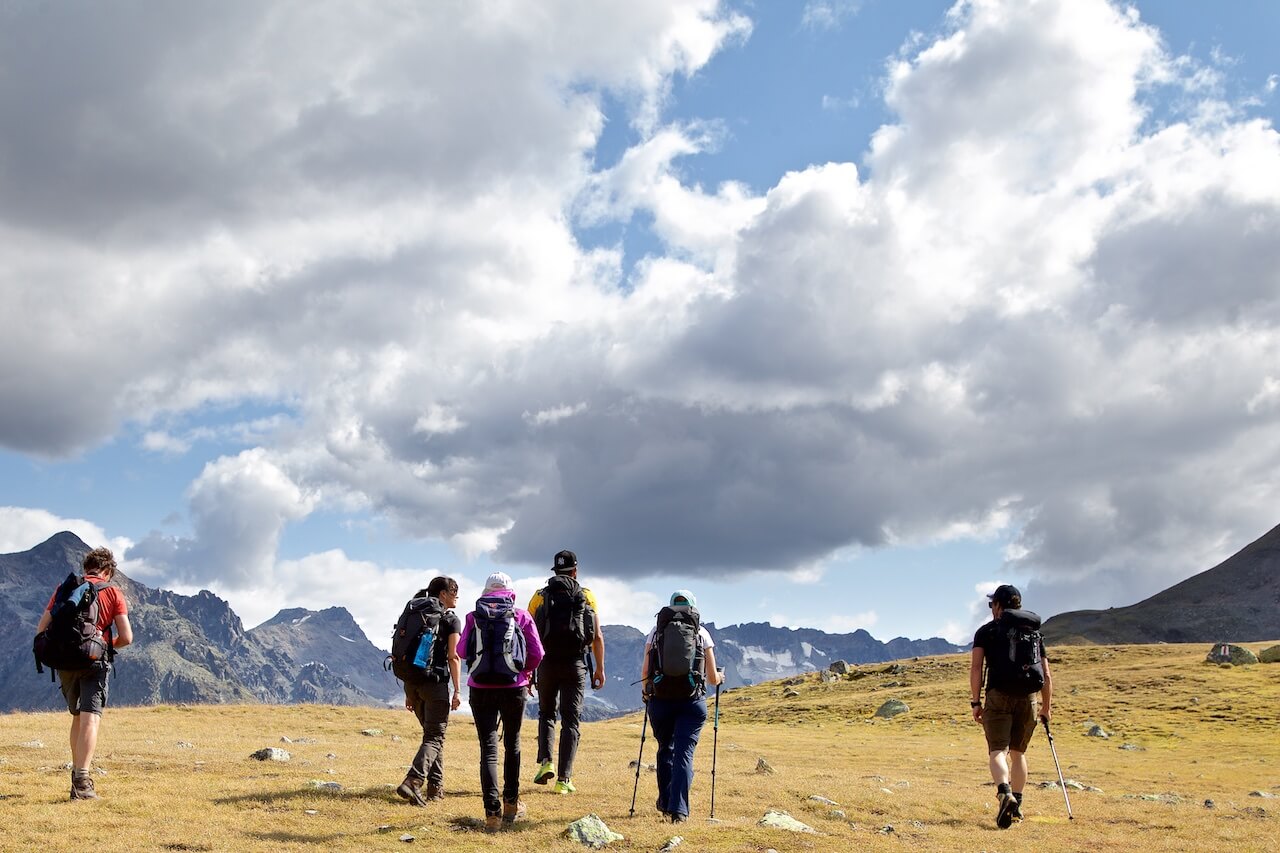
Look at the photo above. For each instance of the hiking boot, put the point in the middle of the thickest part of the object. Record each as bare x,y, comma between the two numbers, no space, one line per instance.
492,822
545,773
1015,813
679,818
411,790
82,788
564,786
434,792
512,812
1004,816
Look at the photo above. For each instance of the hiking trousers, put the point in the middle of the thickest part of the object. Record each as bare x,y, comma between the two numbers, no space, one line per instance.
677,723
430,703
563,683
489,706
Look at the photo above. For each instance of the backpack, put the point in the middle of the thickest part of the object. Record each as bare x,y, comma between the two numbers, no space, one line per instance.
1016,659
73,639
676,659
414,658
496,651
566,622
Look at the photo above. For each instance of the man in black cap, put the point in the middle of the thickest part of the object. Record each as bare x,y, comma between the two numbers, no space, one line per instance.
1012,650
568,621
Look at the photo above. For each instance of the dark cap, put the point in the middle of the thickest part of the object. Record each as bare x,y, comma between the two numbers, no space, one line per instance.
566,561
1006,595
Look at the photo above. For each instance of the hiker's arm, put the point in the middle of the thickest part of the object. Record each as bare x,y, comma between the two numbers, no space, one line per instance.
975,682
597,649
1046,692
123,631
455,671
709,667
644,672
45,619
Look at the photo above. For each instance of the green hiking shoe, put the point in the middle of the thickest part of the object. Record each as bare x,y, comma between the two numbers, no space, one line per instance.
545,773
564,786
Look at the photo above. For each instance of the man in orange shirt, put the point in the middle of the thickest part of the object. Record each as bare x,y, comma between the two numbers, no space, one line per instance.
86,689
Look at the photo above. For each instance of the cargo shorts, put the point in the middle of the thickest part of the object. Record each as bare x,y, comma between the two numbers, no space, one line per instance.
1008,720
85,689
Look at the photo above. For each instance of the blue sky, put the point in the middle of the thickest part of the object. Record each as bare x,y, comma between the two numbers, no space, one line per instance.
838,313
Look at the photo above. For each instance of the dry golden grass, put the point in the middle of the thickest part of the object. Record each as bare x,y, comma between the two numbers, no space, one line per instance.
1205,733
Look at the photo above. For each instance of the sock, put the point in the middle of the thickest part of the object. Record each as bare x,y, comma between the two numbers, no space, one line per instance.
1017,795
1003,788
80,774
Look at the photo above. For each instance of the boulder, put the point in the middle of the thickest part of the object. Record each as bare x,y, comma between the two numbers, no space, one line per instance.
782,820
839,667
1232,654
891,709
1096,730
270,753
1271,655
592,832
764,767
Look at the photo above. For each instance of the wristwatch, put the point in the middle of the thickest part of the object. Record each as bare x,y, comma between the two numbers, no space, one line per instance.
974,703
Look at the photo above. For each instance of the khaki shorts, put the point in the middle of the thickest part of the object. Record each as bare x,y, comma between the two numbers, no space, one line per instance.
1009,720
85,689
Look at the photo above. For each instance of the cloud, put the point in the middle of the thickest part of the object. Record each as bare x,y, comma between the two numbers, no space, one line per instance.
1051,319
22,528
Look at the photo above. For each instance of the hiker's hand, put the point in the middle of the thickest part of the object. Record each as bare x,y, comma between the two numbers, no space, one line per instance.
457,701
597,679
977,713
1046,714
408,706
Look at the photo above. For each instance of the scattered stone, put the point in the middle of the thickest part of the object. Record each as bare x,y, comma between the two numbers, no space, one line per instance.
32,744
592,832
1266,795
840,667
887,790
1254,811
790,694
1167,799
856,674
310,811
827,676
371,732
285,739
406,838
395,738
1271,655
838,813
1208,804
1129,747
879,778
894,669
384,827
1073,785
67,765
903,784
271,753
1096,730
652,768
672,843
763,766
305,740
817,799
182,744
1231,654
891,709
781,820
1195,700
330,756
887,829
333,787
1049,785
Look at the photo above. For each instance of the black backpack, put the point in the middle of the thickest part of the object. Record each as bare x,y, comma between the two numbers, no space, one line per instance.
676,658
73,640
496,651
566,622
414,657
1015,659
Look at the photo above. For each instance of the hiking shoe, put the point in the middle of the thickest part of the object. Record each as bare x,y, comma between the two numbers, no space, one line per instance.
82,788
1015,813
434,792
1004,816
679,818
545,773
492,822
411,790
564,786
512,812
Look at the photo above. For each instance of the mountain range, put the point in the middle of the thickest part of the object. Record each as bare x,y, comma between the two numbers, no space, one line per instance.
194,648
1237,600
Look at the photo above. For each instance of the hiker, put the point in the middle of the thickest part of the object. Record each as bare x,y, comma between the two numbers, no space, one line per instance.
1012,649
568,621
85,687
679,662
502,648
424,651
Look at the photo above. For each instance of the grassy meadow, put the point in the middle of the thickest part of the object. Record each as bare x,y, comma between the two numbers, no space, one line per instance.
179,778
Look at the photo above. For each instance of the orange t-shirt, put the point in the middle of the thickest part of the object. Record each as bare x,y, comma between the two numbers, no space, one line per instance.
111,603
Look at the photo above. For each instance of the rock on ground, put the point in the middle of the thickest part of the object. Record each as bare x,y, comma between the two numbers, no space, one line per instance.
271,753
1271,655
592,832
1229,653
782,820
891,709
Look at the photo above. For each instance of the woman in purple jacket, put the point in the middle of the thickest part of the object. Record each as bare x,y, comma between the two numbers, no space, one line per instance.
502,648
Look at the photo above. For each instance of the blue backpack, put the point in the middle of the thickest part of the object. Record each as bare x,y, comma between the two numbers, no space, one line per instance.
496,652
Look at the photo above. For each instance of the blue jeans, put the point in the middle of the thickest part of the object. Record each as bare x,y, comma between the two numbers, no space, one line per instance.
676,726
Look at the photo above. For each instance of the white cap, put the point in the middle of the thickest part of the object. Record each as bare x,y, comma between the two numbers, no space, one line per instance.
497,580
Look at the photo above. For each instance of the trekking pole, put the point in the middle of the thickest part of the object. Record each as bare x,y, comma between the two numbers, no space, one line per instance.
1061,781
644,723
715,738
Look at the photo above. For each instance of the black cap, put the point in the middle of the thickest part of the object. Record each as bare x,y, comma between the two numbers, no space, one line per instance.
566,561
1005,594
